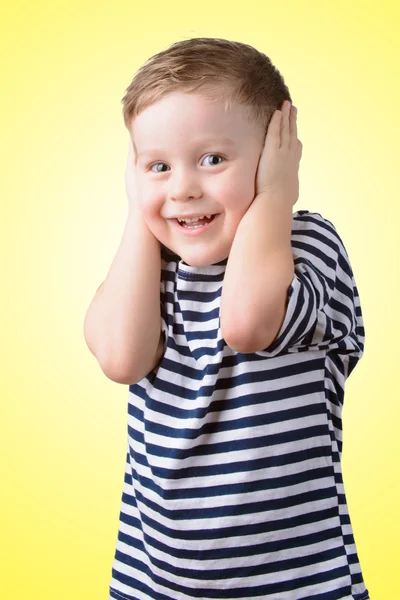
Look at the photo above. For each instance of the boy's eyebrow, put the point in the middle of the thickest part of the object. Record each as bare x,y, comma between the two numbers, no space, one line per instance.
218,139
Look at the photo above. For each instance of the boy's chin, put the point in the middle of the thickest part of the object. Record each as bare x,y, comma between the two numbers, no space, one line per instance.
202,261
201,256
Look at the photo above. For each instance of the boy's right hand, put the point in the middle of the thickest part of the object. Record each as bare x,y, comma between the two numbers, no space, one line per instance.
135,213
130,179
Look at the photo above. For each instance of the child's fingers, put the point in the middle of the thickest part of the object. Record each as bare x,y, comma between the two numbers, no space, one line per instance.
293,126
274,128
285,129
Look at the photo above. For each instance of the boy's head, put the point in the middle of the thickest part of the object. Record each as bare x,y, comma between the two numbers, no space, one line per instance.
179,106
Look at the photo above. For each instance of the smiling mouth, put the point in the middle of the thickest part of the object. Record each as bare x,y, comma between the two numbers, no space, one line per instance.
195,224
197,228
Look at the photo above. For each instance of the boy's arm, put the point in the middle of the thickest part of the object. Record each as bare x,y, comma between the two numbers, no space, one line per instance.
122,326
258,275
260,266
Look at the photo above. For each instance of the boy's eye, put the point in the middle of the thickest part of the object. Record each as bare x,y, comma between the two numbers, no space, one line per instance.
214,156
157,170
161,164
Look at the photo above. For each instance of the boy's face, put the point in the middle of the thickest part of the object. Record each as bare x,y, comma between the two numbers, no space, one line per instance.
185,168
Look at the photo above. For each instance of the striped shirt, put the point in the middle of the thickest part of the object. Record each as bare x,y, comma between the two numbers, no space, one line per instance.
233,482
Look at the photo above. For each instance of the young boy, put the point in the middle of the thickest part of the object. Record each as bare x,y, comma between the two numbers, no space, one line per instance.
236,333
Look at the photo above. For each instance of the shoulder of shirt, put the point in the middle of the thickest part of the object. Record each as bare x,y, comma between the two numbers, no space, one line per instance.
305,219
320,228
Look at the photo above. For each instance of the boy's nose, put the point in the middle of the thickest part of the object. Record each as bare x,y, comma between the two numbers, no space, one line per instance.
183,186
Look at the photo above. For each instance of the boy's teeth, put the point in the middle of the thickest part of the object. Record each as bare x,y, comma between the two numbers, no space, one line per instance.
194,219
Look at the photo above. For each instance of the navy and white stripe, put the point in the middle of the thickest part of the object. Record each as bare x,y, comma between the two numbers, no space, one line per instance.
233,483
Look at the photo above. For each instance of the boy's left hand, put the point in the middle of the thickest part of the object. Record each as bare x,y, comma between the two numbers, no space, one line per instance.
278,167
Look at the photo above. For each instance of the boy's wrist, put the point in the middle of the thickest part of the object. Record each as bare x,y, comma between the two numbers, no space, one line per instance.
135,215
137,223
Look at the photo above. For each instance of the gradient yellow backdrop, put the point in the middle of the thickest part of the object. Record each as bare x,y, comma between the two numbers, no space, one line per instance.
64,69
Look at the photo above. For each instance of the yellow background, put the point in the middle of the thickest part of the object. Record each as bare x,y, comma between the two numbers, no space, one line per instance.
64,69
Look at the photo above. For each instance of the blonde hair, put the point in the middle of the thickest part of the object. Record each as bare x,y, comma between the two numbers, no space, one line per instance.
223,70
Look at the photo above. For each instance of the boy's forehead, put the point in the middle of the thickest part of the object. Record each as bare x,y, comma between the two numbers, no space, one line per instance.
181,104
194,118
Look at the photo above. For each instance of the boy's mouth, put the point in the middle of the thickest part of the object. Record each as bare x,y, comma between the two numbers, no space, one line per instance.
195,222
199,226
